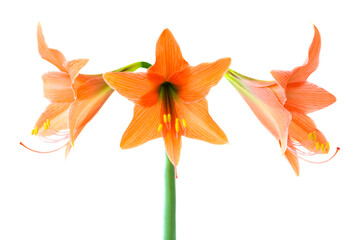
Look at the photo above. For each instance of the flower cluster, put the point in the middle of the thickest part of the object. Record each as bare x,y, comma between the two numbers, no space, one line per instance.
170,100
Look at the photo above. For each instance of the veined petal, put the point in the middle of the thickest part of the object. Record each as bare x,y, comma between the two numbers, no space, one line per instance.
57,113
143,127
173,146
57,87
199,124
307,97
51,55
301,74
134,86
169,58
293,160
73,67
194,83
281,77
91,96
300,128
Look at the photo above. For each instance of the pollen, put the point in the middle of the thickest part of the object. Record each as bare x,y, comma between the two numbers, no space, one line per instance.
169,117
48,122
314,134
32,132
317,146
310,136
327,146
165,118
184,122
177,125
45,126
160,127
35,130
322,147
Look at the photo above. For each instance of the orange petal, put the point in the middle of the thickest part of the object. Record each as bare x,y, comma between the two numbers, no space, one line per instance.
307,97
51,55
73,67
194,83
299,129
168,56
67,150
293,160
281,77
270,112
57,113
57,87
173,146
143,127
135,86
91,96
301,74
199,124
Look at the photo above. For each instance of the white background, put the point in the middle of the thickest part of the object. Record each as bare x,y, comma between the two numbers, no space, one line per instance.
242,190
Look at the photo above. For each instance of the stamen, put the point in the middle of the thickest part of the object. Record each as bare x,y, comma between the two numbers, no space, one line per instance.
169,117
177,125
317,146
36,130
165,119
48,122
327,145
184,122
32,132
310,136
40,151
337,150
322,147
314,134
45,126
160,127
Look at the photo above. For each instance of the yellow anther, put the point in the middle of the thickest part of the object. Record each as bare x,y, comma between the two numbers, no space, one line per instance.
165,119
310,136
327,145
184,122
322,147
36,130
48,122
32,132
177,125
317,146
160,127
169,117
45,126
314,134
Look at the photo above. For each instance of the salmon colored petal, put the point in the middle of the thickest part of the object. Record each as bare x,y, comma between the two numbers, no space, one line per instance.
199,124
173,146
134,85
57,113
293,160
169,58
194,83
51,55
301,74
91,96
73,67
57,87
281,77
143,127
300,128
307,97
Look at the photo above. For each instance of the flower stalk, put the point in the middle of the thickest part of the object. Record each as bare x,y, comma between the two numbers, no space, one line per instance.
169,201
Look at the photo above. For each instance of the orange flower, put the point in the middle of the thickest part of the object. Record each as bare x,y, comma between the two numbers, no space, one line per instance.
170,99
290,92
75,98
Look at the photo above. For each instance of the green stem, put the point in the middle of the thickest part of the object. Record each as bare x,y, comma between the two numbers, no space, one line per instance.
134,66
170,201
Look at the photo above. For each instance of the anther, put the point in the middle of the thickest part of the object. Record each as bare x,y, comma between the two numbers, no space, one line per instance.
317,146
36,130
310,136
322,147
184,122
48,122
169,117
177,126
165,119
327,146
45,126
314,134
32,132
160,127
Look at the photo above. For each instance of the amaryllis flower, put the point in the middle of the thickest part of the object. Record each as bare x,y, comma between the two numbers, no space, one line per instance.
282,106
75,98
170,99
